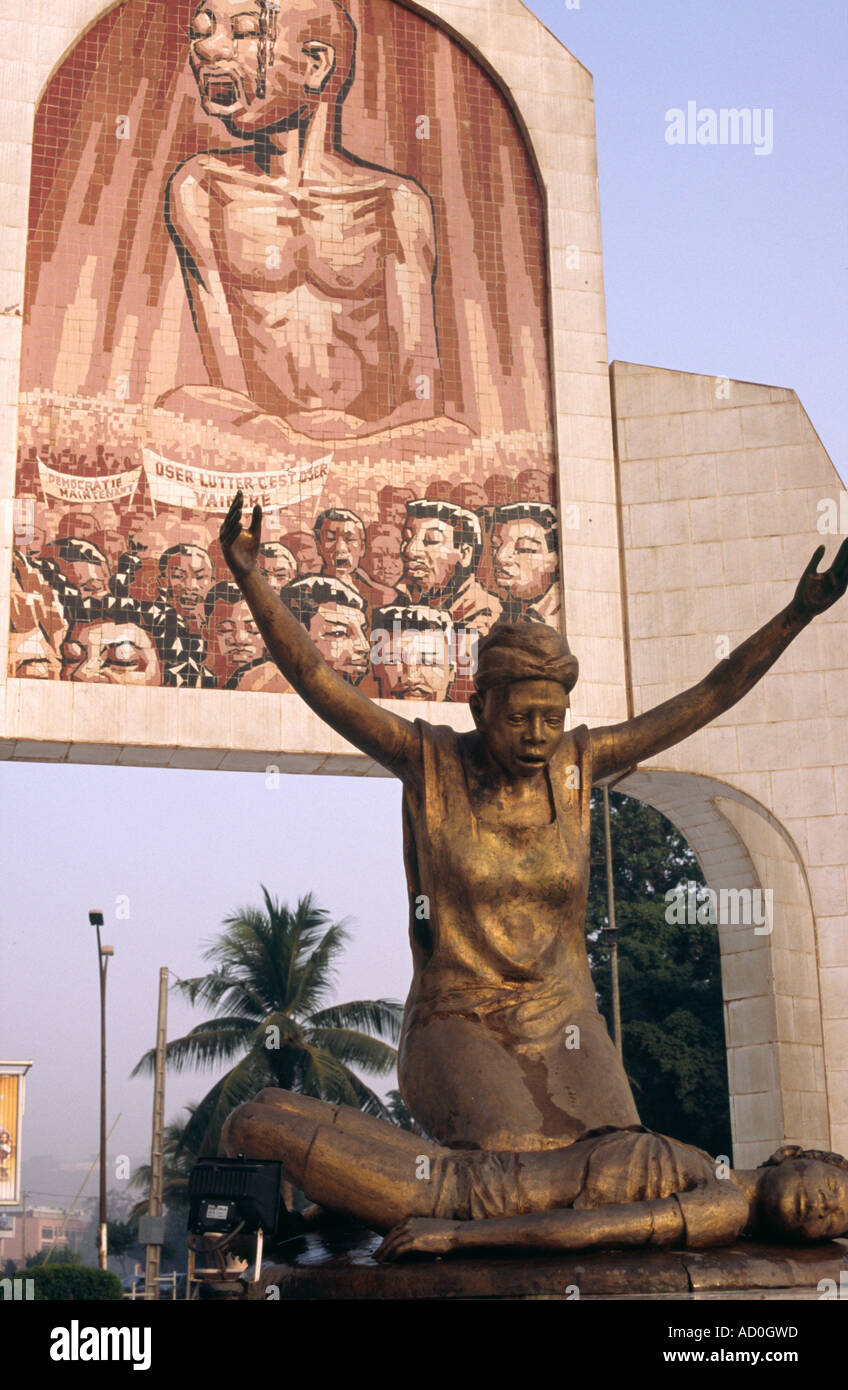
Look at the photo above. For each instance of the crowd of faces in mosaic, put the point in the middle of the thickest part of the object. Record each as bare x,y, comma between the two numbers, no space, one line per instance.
266,253
396,604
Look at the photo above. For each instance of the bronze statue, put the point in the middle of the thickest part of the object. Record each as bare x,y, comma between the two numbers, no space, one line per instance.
503,1048
612,1187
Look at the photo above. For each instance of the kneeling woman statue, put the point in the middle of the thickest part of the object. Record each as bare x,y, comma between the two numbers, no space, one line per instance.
496,844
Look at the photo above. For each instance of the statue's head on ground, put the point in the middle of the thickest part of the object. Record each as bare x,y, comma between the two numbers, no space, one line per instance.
802,1195
525,672
263,66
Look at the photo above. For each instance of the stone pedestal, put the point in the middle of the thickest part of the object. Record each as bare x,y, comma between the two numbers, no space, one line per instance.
344,1268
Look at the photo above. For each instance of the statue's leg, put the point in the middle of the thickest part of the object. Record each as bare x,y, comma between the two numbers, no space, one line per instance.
259,1130
345,1117
472,1087
581,1072
340,1158
470,1090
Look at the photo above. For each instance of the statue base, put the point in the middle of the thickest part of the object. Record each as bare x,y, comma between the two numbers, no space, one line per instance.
342,1266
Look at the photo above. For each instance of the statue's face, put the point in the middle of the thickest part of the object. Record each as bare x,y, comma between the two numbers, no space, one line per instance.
524,567
341,547
339,634
226,59
110,654
416,666
187,581
805,1200
430,554
522,724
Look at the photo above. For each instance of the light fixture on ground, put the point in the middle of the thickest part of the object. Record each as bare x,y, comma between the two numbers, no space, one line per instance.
234,1196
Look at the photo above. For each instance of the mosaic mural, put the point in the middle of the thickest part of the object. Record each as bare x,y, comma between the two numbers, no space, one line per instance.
299,250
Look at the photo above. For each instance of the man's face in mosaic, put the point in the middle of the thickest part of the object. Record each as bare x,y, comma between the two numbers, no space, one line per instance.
91,578
338,632
383,559
109,653
341,546
417,665
234,638
430,553
186,582
231,52
524,566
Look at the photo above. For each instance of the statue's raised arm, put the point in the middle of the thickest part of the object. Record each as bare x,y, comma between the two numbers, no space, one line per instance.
621,746
386,737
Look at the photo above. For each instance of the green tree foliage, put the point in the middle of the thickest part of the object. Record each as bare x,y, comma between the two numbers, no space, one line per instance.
54,1283
121,1237
54,1255
271,987
398,1110
669,977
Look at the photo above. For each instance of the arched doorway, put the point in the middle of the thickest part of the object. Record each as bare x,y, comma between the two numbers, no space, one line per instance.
772,1008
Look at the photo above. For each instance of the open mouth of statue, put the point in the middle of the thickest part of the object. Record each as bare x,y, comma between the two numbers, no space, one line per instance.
221,91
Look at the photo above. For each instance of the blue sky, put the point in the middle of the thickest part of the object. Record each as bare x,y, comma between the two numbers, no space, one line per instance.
717,261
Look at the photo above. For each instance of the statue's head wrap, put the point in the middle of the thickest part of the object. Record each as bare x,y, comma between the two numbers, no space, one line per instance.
524,652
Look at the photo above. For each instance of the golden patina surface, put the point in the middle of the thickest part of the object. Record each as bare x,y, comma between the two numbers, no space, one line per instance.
504,1059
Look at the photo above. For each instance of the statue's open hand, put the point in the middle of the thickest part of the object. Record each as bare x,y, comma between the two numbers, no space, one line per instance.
418,1236
817,592
240,547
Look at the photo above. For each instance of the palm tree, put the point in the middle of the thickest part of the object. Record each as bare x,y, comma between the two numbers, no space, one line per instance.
273,974
178,1159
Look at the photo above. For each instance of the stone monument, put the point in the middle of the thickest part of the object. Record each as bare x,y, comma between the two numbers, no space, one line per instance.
438,446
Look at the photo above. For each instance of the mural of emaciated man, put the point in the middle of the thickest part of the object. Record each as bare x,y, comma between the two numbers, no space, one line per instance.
309,271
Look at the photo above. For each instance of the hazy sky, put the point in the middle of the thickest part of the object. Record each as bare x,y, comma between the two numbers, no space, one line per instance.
718,260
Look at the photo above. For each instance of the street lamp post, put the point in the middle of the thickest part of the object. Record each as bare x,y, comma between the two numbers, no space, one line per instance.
611,931
103,954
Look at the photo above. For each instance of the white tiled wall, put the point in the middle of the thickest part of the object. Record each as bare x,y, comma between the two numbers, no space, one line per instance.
728,553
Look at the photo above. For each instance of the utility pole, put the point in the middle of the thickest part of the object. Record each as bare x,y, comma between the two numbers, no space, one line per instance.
612,930
153,1262
103,954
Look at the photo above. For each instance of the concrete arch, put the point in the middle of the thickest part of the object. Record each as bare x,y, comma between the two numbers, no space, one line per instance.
770,979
